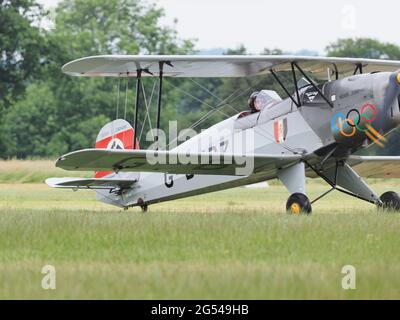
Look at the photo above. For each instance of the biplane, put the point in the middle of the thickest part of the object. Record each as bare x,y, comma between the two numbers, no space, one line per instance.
339,108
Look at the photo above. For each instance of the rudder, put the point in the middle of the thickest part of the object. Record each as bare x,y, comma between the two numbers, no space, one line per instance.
117,134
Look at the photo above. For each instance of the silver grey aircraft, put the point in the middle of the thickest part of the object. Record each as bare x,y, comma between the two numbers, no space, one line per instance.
339,107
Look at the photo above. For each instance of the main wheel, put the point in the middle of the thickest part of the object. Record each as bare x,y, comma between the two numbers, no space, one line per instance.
298,203
390,201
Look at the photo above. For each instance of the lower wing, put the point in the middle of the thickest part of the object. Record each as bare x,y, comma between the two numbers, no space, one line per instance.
376,166
174,162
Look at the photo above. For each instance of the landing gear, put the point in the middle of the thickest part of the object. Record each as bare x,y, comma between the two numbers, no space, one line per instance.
390,201
298,203
143,205
340,177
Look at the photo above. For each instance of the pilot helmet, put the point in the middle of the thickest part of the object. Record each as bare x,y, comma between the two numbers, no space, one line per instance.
252,99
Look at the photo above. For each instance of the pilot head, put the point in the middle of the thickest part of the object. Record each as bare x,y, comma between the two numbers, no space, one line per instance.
252,105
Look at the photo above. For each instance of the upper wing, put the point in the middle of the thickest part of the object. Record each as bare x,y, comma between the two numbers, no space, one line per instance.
173,162
91,183
219,66
376,166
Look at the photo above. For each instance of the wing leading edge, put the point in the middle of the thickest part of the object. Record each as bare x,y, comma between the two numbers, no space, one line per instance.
219,66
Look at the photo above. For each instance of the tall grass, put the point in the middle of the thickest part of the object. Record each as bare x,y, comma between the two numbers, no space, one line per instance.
234,244
33,171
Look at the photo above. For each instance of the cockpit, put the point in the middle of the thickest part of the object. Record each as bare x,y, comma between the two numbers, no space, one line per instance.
264,102
259,100
310,96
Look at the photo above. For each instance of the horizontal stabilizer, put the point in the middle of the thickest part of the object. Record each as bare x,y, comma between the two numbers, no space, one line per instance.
90,183
173,162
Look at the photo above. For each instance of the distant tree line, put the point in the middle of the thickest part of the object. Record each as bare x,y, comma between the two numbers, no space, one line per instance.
44,113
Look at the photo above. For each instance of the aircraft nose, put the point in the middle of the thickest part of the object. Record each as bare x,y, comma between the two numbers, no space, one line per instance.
392,91
391,103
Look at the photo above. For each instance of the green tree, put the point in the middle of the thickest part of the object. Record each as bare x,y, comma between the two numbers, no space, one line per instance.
30,122
22,45
80,106
363,48
90,27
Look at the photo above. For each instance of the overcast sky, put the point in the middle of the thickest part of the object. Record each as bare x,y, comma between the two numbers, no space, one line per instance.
286,24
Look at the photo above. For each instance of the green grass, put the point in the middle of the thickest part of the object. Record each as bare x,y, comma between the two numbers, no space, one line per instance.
235,244
33,171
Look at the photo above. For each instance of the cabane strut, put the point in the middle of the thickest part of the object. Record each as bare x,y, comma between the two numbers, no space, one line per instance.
297,100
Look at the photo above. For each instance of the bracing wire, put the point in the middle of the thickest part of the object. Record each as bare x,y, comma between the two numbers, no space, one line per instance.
224,101
216,108
233,108
220,105
147,105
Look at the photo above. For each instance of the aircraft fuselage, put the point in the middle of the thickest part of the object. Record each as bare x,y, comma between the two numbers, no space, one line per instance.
358,103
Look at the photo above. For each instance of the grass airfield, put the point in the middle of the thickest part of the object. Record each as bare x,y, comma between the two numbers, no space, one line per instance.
234,244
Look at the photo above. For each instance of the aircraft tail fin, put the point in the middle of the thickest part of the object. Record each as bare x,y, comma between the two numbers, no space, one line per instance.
117,134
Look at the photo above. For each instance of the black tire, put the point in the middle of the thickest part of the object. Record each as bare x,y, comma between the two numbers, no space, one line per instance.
298,203
390,201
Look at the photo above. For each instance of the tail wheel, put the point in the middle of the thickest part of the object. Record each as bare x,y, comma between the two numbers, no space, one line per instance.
298,203
390,201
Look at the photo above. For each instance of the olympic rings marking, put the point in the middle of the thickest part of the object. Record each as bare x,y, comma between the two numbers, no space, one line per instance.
354,124
349,122
373,111
358,117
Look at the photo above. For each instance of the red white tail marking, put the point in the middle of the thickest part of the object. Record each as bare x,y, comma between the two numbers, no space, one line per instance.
117,134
